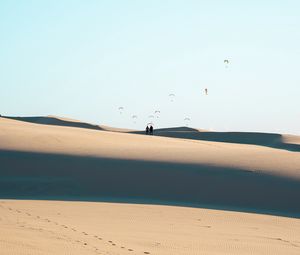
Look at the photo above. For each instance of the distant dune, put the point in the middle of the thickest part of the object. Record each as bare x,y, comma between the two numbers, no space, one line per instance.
286,142
58,160
56,121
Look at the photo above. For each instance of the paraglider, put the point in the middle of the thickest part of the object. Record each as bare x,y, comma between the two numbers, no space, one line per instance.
172,96
134,117
187,120
121,108
226,62
157,112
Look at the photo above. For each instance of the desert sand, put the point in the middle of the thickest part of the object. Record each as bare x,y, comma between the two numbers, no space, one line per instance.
183,190
52,227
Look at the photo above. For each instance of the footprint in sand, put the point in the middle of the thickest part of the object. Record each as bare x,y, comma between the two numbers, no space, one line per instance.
130,249
146,252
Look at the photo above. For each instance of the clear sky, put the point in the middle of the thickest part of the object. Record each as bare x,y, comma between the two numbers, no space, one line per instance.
84,59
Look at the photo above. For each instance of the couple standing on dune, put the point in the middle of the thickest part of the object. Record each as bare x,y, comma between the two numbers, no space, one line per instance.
149,130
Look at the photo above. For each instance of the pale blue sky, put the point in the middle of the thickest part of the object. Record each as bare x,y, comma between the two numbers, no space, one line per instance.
84,59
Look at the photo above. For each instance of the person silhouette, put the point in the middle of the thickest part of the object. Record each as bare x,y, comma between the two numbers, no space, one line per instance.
151,130
147,130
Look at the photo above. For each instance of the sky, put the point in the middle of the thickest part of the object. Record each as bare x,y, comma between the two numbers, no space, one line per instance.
84,59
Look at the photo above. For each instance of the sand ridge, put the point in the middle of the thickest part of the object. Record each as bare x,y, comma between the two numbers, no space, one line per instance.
23,136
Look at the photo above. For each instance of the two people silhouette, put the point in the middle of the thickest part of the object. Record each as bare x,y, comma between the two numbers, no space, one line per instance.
149,130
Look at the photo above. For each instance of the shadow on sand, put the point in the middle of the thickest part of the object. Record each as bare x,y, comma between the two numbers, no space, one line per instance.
255,138
27,175
55,122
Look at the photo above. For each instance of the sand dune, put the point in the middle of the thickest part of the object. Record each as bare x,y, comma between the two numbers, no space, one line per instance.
44,161
278,141
56,121
84,228
59,161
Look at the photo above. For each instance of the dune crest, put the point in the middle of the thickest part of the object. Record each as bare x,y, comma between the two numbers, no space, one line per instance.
278,141
56,121
273,140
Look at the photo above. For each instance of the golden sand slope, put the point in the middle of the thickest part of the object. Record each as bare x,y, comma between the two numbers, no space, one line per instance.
59,162
51,227
23,136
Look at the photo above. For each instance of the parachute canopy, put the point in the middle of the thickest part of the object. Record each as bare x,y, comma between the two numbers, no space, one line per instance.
187,120
172,96
121,108
134,118
157,113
